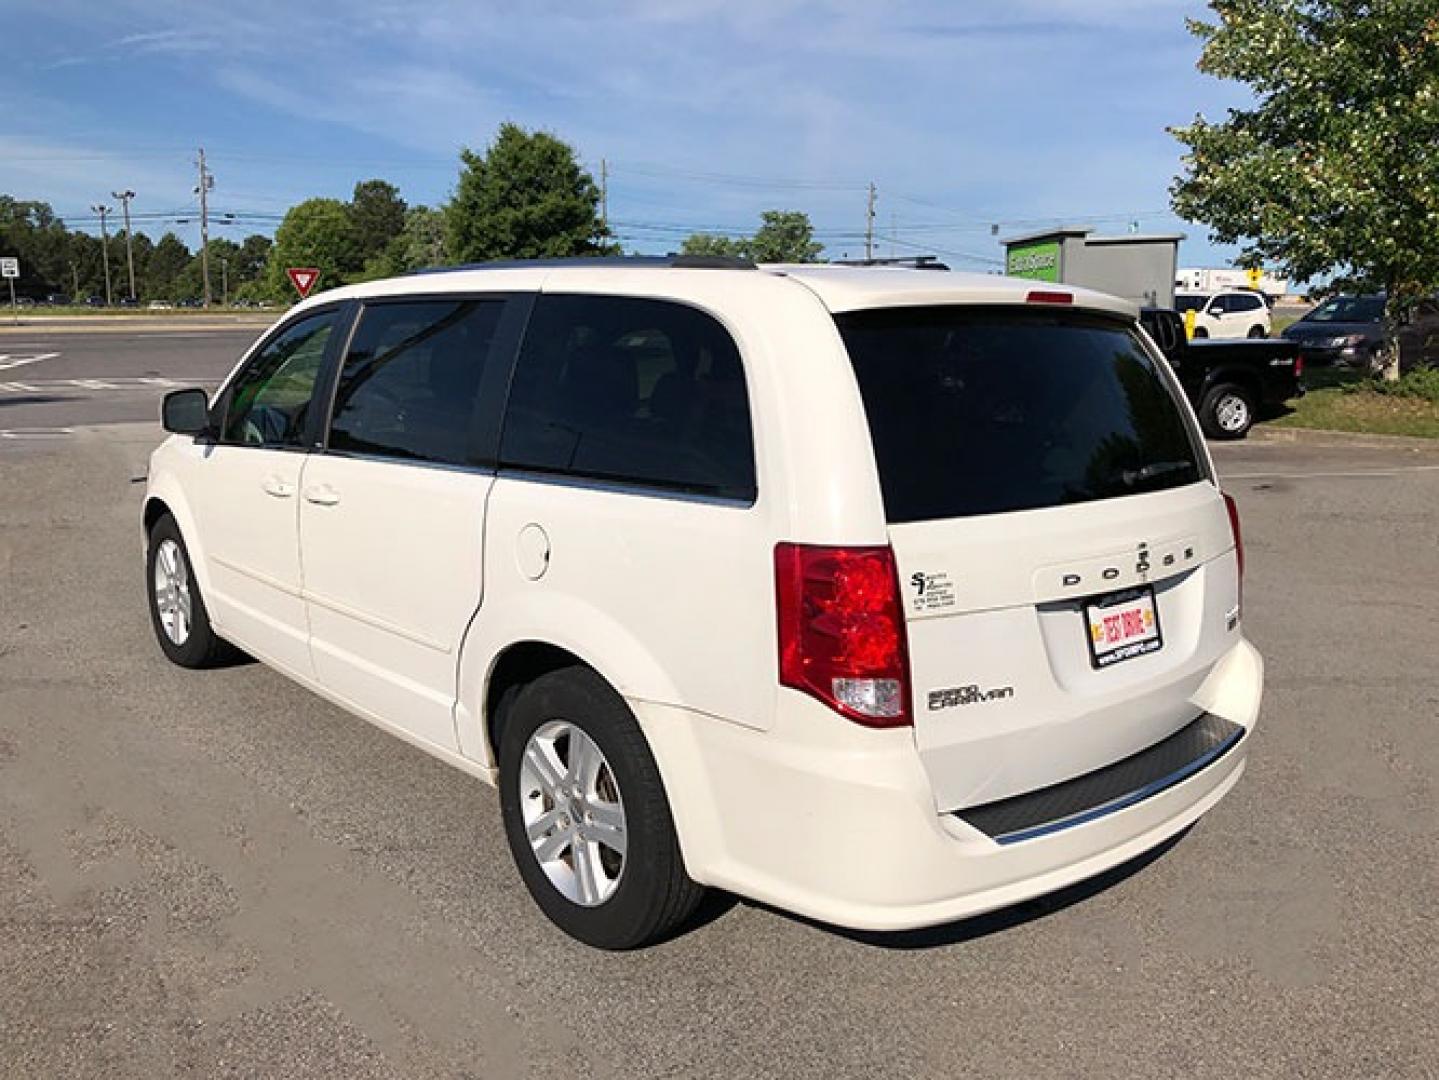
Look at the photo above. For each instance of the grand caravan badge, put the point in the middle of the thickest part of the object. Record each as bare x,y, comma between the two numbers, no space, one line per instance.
953,696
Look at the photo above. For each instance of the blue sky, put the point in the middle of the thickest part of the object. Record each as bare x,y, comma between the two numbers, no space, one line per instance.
1020,113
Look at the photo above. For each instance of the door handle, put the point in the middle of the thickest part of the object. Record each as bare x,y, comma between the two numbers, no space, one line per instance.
322,495
274,485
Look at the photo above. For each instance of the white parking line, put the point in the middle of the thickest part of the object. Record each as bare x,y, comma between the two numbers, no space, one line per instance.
1352,474
7,361
117,383
36,433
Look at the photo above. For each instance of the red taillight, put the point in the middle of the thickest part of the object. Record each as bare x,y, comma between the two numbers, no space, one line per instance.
1233,509
841,630
1298,365
1040,296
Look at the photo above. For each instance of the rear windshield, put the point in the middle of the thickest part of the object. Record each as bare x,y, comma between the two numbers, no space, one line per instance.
982,411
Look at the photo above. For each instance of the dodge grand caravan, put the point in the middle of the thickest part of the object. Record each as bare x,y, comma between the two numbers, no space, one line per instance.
883,597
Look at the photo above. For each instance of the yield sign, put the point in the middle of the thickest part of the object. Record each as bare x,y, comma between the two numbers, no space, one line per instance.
303,278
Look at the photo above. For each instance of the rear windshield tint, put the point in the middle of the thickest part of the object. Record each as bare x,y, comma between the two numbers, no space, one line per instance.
982,411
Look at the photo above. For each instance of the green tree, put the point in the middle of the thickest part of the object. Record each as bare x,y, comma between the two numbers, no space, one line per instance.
377,216
783,236
165,269
251,258
1334,170
30,231
314,233
525,197
710,244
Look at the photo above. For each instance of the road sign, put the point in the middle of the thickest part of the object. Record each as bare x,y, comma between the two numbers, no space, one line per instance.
9,266
1254,276
303,278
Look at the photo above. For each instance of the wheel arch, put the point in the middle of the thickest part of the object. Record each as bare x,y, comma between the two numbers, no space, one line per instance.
519,663
166,498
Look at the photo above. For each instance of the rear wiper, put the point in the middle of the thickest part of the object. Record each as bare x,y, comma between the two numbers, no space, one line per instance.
1131,477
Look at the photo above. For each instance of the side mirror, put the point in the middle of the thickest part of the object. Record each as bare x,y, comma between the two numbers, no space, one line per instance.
185,412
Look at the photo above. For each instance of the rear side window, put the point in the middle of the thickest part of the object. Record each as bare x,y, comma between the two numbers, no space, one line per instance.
633,390
409,386
982,411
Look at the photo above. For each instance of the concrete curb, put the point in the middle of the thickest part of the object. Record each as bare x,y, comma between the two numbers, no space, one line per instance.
1357,439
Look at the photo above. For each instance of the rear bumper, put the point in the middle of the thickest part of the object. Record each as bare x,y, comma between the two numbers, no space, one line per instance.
838,823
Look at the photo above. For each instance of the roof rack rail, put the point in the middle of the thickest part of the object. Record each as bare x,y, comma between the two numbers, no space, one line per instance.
683,262
911,262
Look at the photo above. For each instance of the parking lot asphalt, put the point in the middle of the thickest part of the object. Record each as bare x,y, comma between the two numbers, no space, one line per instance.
53,380
219,874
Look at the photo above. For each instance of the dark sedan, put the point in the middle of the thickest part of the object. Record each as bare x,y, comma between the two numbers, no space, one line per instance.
1349,330
1342,330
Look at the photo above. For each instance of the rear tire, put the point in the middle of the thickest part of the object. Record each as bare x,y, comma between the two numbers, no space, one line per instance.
1257,332
1200,332
177,610
1227,412
563,810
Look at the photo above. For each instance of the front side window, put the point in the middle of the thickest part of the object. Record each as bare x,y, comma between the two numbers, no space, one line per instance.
269,401
635,390
410,382
983,411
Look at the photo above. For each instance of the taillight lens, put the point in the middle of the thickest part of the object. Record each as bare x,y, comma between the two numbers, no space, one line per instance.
841,630
1298,365
1233,509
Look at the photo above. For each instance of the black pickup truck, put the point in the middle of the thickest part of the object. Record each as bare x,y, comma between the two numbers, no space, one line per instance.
1228,382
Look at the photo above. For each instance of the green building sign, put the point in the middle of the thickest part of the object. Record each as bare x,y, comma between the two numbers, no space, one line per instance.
1038,262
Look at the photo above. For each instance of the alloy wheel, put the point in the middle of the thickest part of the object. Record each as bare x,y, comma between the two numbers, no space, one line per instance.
573,814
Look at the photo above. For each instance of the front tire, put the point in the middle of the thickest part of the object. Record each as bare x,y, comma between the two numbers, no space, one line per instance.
1257,332
1227,412
1200,333
177,610
586,815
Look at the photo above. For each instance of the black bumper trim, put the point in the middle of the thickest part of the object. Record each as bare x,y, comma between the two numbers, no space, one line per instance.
1197,745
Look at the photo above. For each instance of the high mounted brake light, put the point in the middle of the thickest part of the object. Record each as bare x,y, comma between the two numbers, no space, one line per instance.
1041,296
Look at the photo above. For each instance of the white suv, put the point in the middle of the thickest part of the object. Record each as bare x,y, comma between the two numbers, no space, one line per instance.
881,596
1229,313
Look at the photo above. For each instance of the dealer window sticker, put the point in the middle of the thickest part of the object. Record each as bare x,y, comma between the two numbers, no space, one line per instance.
931,592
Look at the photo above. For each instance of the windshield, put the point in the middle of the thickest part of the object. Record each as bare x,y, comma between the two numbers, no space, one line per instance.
987,410
1189,303
1348,309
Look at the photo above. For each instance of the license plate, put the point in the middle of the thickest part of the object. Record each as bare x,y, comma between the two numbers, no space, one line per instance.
1122,626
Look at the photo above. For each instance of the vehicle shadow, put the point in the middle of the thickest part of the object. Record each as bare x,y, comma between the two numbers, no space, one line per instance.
995,922
33,399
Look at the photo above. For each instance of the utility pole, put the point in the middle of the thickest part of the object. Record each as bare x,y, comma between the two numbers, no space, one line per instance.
203,190
74,281
224,282
605,193
869,224
125,197
102,210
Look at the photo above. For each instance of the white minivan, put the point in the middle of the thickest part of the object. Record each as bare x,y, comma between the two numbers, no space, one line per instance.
883,596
